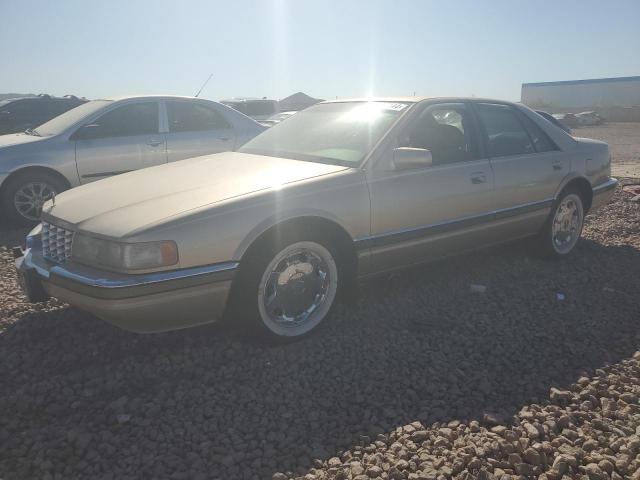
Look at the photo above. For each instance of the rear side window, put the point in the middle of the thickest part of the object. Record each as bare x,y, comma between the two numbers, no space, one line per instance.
505,133
541,140
194,117
22,108
56,107
128,120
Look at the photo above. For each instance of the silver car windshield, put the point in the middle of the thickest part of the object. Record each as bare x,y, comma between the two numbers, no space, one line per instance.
336,133
62,122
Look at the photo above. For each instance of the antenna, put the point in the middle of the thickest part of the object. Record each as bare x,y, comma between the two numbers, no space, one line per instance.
204,85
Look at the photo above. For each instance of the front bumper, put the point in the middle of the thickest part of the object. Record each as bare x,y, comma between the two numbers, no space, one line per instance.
140,303
602,193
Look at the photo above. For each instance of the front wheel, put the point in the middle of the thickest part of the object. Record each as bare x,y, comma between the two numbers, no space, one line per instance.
291,289
25,194
564,227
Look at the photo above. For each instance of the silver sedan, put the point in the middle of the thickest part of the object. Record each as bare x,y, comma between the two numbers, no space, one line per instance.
343,190
107,137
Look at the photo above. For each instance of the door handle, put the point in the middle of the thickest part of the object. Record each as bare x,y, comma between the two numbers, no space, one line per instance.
477,178
154,143
557,165
224,139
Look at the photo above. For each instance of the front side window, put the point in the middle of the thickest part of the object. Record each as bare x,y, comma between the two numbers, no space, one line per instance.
445,130
128,120
505,134
193,117
339,133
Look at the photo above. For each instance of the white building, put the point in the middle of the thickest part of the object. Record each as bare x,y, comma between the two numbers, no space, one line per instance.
580,95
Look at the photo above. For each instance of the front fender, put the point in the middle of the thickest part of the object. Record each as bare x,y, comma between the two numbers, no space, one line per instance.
281,217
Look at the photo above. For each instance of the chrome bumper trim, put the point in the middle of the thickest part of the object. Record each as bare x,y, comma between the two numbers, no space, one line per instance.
605,186
99,284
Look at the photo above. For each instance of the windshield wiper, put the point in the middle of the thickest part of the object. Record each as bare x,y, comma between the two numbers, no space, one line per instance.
31,131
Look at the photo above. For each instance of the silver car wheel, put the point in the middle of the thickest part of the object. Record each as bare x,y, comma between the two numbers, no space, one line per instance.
30,197
297,289
567,224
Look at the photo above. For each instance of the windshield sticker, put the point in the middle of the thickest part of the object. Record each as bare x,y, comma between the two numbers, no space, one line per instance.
397,107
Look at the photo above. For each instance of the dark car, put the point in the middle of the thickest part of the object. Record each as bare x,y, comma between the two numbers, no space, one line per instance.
20,114
554,120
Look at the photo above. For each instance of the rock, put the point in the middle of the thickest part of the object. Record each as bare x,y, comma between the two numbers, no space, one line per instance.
560,396
514,459
356,468
419,436
590,445
595,472
531,431
374,471
524,469
606,465
531,456
629,397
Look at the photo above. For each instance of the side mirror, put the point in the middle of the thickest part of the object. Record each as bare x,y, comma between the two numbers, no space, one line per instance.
407,158
86,132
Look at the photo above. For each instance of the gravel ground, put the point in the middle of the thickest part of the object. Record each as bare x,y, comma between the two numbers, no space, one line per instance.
419,378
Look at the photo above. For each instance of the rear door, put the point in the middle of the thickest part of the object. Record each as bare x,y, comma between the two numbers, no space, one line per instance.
196,128
123,139
527,165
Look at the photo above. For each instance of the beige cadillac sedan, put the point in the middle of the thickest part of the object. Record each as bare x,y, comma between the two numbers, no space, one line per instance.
343,190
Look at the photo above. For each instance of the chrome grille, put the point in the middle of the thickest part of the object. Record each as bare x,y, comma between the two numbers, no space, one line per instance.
56,242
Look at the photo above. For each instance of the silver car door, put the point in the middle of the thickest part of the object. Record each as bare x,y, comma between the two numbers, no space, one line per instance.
528,167
426,212
196,128
123,139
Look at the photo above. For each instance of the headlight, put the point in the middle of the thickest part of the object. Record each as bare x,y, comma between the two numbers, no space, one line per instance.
124,256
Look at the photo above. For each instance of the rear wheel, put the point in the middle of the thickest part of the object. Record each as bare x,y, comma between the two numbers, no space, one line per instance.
562,230
286,291
24,195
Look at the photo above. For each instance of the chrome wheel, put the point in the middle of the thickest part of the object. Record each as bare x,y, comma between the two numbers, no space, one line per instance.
297,289
30,197
567,224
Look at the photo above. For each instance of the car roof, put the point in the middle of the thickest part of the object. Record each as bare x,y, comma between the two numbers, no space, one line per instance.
152,97
419,100
42,97
246,99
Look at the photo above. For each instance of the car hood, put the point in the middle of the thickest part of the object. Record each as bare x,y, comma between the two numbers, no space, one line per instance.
18,138
123,204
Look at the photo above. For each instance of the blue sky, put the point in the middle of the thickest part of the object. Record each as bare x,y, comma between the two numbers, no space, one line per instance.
326,48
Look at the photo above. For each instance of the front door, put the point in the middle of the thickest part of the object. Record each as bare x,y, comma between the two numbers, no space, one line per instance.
196,129
123,139
426,212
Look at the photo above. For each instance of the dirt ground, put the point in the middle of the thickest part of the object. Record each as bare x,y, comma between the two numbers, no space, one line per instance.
624,141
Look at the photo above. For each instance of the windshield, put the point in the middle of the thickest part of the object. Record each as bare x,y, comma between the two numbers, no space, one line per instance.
335,133
60,123
280,116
